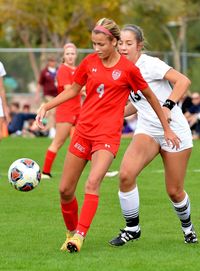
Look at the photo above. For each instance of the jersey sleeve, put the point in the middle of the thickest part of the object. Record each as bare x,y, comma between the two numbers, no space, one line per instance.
136,80
81,73
158,69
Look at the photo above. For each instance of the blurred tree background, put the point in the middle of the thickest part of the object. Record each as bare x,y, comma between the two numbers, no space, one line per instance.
170,27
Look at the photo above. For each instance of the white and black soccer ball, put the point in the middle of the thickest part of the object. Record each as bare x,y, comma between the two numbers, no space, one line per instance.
24,174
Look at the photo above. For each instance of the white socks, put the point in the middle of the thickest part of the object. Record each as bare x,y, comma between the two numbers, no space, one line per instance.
182,210
129,202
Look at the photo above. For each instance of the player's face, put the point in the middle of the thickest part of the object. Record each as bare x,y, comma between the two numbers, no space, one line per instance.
103,45
129,46
70,56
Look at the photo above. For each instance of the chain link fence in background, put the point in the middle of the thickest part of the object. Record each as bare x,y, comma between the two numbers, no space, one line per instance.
21,81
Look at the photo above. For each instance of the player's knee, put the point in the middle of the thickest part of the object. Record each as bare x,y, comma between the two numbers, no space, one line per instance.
92,185
176,194
66,193
125,179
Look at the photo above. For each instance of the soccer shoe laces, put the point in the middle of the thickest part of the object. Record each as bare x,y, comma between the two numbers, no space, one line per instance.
191,237
126,235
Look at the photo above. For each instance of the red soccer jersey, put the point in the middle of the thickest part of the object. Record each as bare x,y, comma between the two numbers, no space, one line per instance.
65,76
107,91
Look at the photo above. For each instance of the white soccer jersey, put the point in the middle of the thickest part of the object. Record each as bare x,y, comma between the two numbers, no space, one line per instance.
153,71
2,73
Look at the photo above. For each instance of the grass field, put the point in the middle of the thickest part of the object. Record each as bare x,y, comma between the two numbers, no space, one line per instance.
32,229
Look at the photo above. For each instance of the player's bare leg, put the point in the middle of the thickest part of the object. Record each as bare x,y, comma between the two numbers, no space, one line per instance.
73,167
101,161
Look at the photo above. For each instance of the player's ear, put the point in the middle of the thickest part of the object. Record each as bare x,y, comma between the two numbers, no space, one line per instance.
114,42
140,46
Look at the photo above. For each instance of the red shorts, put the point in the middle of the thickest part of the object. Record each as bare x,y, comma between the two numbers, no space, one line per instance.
84,148
70,117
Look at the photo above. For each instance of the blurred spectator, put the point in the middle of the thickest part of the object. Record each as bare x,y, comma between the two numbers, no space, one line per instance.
28,123
47,81
14,108
193,115
26,108
186,102
16,124
34,131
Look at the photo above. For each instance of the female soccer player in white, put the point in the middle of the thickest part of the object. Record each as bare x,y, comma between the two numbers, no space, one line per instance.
149,133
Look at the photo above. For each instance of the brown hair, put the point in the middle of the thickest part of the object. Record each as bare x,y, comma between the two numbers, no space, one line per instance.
110,26
136,30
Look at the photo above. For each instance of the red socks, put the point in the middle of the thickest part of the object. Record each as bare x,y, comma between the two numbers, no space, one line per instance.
49,158
70,214
88,211
87,214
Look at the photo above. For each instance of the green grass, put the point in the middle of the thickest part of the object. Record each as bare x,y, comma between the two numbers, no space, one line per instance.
32,229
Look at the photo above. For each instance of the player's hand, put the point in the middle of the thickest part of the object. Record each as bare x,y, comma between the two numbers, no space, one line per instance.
40,116
172,139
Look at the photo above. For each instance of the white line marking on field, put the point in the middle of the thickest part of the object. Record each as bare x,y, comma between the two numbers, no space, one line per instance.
162,170
158,171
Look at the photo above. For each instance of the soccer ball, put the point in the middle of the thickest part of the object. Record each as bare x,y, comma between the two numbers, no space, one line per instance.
24,174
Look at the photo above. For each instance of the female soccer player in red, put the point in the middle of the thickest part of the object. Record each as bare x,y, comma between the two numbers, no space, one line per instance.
66,113
109,78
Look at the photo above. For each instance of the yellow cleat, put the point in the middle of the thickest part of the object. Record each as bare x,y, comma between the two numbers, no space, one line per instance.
69,234
75,243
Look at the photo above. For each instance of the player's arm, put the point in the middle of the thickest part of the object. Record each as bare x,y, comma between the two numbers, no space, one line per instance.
69,92
129,110
180,84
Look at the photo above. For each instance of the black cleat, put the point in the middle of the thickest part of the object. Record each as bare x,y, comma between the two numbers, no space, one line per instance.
125,236
191,237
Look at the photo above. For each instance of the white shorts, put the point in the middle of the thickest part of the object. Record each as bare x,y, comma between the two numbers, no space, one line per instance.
186,140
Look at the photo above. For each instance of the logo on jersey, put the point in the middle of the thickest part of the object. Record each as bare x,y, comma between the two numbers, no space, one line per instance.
107,146
94,69
116,74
